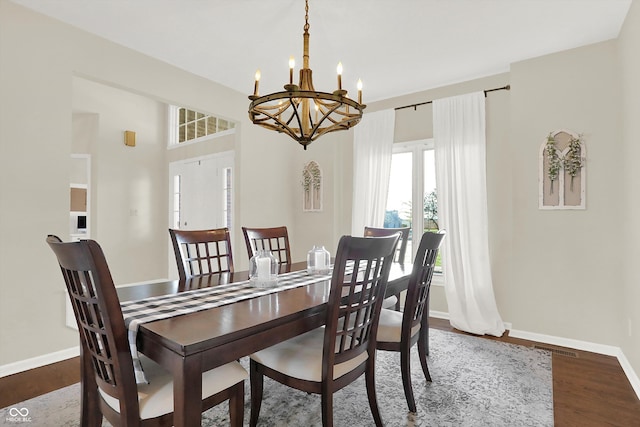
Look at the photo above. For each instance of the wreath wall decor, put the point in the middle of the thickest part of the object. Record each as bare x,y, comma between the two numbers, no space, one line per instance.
312,187
562,171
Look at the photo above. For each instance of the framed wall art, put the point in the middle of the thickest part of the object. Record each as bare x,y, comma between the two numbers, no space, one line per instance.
562,171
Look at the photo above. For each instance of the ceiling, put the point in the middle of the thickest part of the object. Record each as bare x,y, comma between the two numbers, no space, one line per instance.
395,46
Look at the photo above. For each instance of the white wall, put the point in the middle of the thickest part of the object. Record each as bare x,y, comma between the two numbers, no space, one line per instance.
39,59
555,273
567,279
129,196
333,153
630,225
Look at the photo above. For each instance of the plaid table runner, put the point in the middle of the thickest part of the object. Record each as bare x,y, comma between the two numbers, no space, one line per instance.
165,306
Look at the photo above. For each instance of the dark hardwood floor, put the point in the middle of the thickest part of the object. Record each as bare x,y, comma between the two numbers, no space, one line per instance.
589,389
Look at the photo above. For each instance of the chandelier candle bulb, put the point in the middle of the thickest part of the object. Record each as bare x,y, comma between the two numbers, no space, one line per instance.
255,87
359,91
339,70
292,64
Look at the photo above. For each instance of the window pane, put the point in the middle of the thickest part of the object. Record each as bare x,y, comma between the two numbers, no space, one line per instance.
191,115
211,125
182,116
430,199
226,197
201,128
398,213
191,131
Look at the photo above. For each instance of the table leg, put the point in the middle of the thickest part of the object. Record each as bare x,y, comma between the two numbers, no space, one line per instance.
187,392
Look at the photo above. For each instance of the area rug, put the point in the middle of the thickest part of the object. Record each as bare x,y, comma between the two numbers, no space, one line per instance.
476,382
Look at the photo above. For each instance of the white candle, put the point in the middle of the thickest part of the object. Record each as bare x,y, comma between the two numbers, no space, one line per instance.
255,87
292,64
263,268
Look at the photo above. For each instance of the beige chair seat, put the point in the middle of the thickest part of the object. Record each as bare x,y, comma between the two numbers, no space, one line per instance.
390,326
390,302
156,398
301,357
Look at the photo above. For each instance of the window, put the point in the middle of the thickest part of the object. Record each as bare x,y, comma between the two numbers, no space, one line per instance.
413,183
187,125
176,202
227,196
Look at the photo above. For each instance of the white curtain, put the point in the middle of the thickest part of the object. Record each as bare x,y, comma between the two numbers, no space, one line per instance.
372,151
459,140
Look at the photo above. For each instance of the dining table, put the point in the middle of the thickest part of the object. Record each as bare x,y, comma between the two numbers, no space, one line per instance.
189,344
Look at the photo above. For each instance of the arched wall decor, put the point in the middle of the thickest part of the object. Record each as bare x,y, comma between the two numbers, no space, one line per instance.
562,173
312,187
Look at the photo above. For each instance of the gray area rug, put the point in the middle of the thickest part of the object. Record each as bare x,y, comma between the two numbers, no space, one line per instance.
476,382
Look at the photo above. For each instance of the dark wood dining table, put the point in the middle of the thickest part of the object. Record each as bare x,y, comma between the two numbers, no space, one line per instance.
189,344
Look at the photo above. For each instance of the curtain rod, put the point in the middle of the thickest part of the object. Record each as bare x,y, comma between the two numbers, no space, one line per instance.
507,87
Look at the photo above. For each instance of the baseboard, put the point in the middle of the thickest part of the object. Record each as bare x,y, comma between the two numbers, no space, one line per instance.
631,374
39,361
608,350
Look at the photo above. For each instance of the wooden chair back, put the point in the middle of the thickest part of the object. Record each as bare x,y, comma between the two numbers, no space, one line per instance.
381,232
275,239
355,300
98,314
419,285
202,252
105,355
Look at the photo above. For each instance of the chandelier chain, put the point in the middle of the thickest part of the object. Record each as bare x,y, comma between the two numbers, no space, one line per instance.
306,16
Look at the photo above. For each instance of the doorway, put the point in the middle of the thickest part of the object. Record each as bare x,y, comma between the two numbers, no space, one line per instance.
200,195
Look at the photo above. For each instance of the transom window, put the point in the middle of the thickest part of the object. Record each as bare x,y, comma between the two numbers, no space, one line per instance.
189,125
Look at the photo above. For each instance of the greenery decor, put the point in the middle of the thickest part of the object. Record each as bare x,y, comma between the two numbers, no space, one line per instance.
572,161
312,186
311,177
555,164
573,158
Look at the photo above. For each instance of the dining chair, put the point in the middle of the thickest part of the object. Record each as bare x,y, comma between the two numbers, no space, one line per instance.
394,300
275,239
402,244
201,252
109,386
399,331
328,358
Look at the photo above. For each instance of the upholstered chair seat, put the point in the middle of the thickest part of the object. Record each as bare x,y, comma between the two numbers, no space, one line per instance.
301,357
390,326
156,397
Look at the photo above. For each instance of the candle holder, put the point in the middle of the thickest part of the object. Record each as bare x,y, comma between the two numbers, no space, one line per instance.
263,269
318,261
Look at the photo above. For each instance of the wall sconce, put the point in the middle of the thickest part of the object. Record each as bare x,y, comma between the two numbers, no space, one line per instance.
129,138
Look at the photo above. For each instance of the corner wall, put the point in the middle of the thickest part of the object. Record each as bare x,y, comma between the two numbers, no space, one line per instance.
629,45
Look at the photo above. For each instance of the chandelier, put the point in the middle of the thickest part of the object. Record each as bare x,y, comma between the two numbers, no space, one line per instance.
302,112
